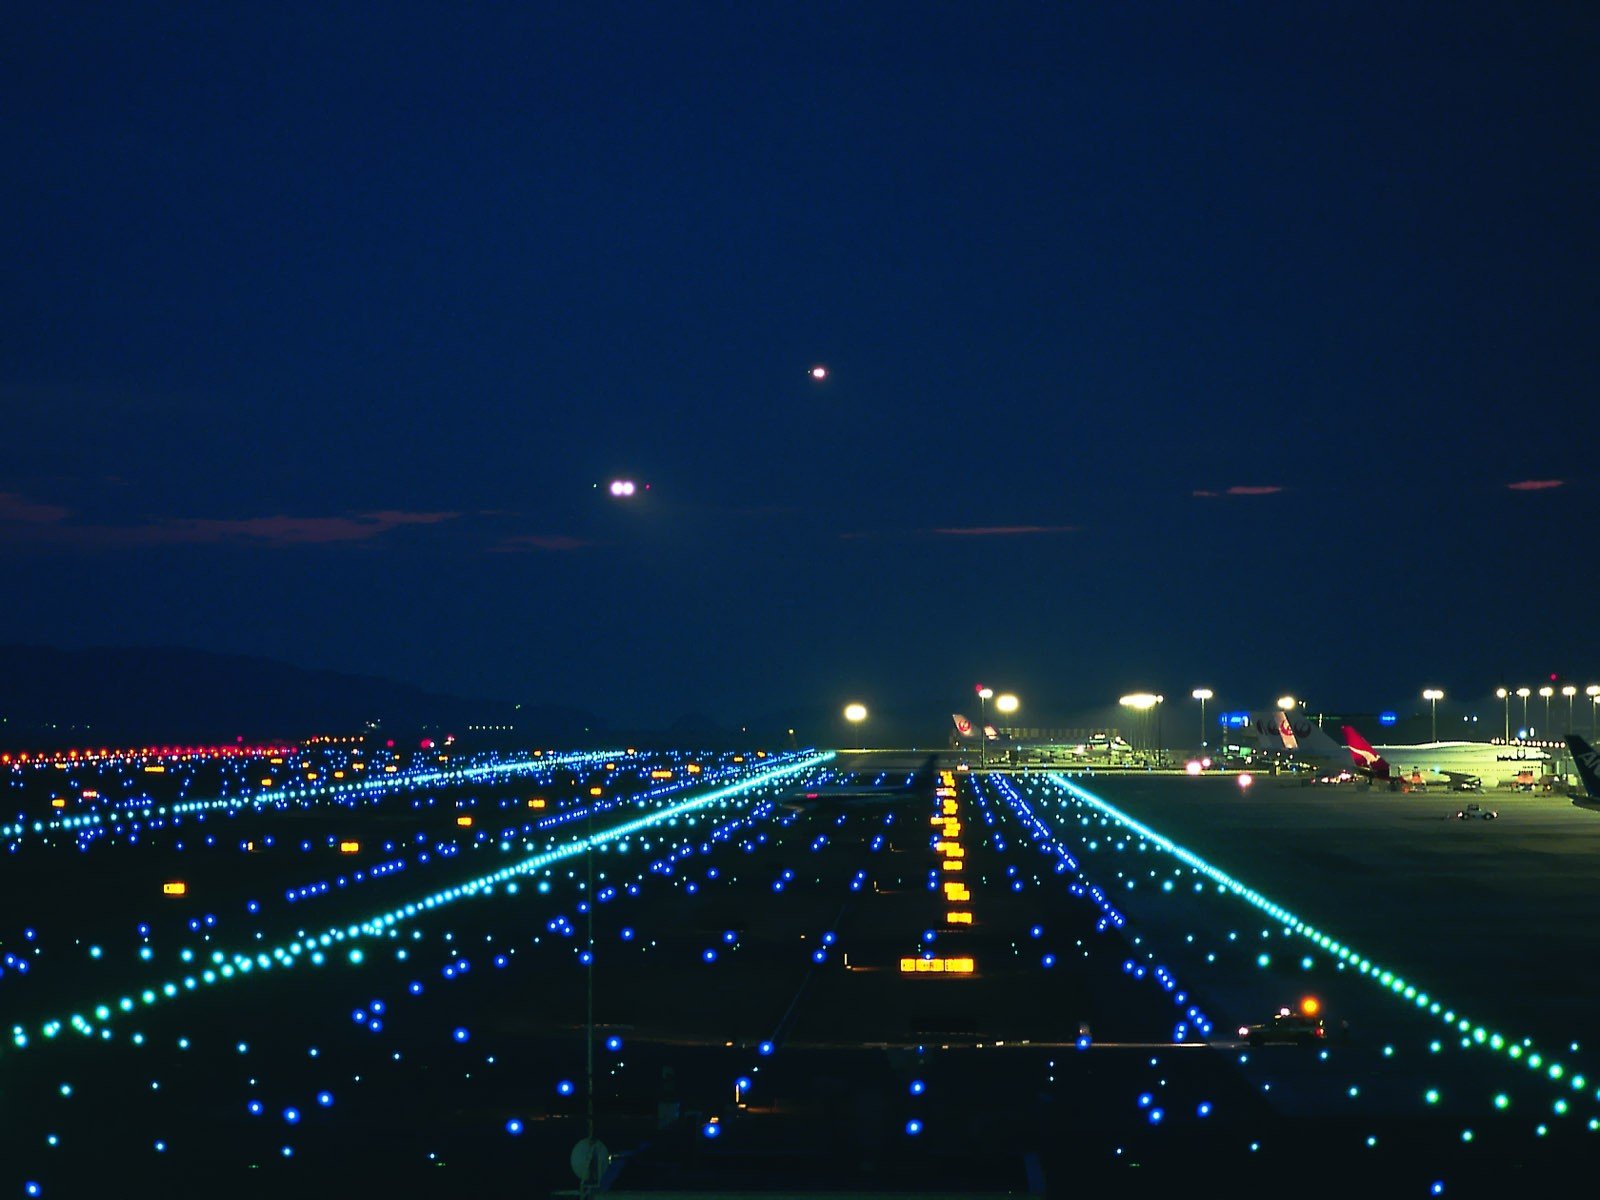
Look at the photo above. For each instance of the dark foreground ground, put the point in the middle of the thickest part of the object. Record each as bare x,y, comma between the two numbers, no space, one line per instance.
754,1031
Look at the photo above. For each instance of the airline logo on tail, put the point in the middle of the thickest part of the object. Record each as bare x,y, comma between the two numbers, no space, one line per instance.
963,725
1289,735
1286,732
1587,760
1367,760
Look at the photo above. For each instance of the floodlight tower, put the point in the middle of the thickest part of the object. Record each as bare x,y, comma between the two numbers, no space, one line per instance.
1433,696
1202,695
984,696
856,713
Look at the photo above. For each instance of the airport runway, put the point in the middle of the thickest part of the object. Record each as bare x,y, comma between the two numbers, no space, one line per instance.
780,999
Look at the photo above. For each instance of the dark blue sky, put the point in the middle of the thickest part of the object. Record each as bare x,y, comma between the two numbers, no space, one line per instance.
1168,345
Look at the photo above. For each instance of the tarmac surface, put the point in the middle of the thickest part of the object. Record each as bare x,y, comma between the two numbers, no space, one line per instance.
767,1015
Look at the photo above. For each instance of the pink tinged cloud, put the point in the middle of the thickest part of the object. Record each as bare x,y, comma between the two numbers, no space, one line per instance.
287,531
22,511
1005,530
1535,485
44,526
553,542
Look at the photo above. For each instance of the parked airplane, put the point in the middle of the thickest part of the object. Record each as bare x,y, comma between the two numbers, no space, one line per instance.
1463,765
834,797
1587,760
1304,740
1103,744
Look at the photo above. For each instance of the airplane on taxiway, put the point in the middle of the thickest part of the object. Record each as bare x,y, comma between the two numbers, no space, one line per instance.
835,797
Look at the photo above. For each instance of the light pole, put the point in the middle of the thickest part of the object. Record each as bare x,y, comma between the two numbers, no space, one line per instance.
1006,703
1593,692
1502,694
1569,692
856,713
1547,691
1202,695
1433,696
984,695
1141,702
1524,693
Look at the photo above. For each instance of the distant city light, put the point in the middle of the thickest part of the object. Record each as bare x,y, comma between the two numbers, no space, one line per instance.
819,372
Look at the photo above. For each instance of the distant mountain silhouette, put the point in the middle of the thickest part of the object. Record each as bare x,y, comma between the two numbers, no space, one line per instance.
110,696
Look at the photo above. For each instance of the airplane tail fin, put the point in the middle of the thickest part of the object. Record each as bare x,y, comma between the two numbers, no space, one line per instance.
1367,760
1587,760
1304,739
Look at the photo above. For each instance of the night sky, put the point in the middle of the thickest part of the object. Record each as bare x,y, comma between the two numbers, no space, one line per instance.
1168,345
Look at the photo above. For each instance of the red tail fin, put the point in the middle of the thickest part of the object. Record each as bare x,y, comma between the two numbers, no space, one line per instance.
1367,760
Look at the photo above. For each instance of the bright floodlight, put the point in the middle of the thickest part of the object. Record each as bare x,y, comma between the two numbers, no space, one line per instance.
819,372
1006,703
985,693
1202,693
1592,690
1500,693
1287,703
1569,690
1432,694
1524,693
855,712
1140,700
1547,692
622,487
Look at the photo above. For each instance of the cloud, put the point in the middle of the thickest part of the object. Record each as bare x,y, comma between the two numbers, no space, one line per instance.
1535,485
552,542
287,531
391,517
1004,530
20,510
1242,489
959,531
47,527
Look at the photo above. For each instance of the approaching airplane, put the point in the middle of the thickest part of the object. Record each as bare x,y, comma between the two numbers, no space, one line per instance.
1587,760
1464,765
834,797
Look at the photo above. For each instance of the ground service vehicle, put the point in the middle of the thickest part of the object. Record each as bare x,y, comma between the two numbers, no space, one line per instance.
1285,1028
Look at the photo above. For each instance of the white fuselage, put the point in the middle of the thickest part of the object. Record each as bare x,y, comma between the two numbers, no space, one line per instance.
1496,765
